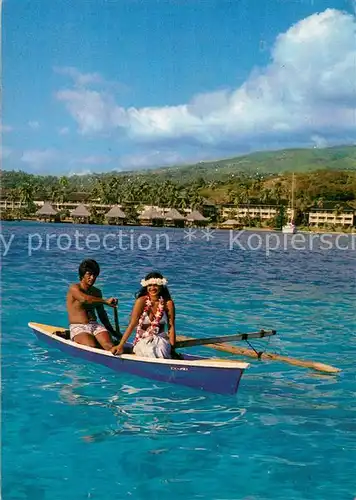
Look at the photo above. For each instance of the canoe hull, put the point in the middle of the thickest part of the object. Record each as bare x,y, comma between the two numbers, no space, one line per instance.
221,377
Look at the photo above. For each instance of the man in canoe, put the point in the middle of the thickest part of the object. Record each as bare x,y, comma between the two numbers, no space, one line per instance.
152,312
84,301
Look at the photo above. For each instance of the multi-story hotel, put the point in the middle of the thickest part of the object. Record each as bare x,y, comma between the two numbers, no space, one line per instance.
322,217
261,212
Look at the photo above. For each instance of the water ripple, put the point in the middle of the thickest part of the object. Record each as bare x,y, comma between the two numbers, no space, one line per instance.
279,438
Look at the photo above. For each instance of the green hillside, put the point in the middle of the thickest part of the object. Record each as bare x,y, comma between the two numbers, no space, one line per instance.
271,162
225,173
321,176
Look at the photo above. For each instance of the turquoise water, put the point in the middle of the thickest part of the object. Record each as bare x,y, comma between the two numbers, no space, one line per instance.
76,431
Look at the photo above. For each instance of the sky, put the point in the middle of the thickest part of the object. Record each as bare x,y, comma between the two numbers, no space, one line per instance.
104,85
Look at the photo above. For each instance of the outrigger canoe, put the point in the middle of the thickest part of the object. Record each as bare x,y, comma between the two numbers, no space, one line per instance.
221,376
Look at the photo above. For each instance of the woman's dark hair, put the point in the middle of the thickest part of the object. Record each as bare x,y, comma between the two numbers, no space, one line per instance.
89,266
164,293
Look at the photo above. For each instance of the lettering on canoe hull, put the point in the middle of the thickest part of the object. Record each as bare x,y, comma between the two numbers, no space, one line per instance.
180,368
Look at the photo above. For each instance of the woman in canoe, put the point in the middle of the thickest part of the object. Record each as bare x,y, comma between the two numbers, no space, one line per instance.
152,313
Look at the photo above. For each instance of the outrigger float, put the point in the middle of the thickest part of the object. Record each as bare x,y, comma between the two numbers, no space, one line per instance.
217,375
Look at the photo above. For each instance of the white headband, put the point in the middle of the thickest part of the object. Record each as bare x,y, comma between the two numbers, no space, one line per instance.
154,281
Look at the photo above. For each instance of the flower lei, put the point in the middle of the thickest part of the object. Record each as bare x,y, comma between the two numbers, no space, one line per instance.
154,281
153,329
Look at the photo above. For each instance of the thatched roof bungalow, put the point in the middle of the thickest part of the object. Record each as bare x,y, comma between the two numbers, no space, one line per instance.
80,213
173,214
115,214
151,216
47,212
196,218
174,218
230,224
46,209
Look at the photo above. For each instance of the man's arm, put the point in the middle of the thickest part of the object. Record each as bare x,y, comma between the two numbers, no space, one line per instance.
84,298
102,314
135,316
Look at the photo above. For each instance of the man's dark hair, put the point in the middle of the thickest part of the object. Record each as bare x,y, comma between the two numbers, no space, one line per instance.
89,265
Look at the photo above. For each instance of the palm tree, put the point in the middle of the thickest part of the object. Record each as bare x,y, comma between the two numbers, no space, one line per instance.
265,195
182,200
13,195
174,197
129,195
53,194
338,209
26,192
320,202
101,191
144,191
256,186
239,197
63,189
302,206
276,192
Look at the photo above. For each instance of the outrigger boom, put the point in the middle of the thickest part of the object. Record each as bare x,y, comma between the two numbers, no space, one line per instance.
224,338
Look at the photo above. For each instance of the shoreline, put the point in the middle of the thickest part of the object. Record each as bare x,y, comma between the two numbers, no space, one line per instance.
211,227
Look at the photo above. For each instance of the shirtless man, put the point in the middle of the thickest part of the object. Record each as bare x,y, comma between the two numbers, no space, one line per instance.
84,300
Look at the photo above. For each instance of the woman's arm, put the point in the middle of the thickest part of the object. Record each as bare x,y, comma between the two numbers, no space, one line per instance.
171,314
135,316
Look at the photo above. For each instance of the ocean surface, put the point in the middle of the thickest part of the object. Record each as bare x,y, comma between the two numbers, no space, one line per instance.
72,430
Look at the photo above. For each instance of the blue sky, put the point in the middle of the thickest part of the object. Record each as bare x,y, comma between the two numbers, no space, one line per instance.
92,86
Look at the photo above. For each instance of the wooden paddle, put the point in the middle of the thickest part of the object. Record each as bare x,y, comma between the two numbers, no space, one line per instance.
117,327
242,351
224,338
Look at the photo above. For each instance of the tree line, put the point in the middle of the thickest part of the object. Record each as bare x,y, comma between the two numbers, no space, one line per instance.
311,189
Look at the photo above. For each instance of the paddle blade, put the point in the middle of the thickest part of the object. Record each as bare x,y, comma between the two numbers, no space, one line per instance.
242,351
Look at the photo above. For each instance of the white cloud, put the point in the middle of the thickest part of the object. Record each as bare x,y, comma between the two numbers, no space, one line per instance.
79,79
80,172
5,152
63,130
319,141
151,159
93,160
83,80
91,109
33,124
39,159
6,128
308,90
